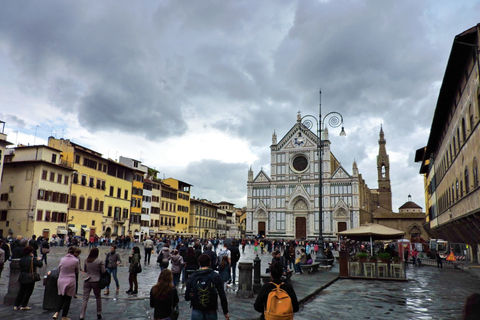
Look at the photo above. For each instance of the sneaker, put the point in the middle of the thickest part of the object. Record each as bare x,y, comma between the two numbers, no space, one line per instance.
106,292
129,291
26,308
134,292
16,308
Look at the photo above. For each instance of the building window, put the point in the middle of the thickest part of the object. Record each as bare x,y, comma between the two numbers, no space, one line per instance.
119,192
52,176
475,173
96,206
39,215
109,211
65,180
281,221
77,159
84,180
89,204
81,203
457,191
59,178
73,201
75,177
111,191
467,187
44,175
126,194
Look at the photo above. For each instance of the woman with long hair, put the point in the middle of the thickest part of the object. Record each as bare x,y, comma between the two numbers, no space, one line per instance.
224,271
93,268
191,262
26,282
163,296
177,265
135,262
66,282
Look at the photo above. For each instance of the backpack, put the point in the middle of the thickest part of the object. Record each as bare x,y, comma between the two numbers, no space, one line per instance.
279,305
204,294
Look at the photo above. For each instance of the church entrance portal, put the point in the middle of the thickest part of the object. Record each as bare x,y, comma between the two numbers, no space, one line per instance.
300,228
261,228
342,226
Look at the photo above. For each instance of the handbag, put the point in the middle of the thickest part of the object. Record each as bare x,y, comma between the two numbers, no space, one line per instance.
45,250
105,279
175,312
137,268
34,274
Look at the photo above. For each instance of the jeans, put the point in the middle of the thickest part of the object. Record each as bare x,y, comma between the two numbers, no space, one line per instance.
176,279
113,273
234,271
148,254
298,267
203,315
44,258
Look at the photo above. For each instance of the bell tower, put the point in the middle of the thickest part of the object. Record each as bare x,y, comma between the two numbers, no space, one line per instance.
383,168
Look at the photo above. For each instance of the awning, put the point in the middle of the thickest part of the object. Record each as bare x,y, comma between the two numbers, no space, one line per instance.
61,231
137,233
87,230
46,230
73,229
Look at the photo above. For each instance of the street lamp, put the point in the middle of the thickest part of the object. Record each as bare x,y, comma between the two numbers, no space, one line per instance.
335,120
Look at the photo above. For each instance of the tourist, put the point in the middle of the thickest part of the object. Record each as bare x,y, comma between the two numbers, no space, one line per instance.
164,296
224,271
68,267
93,268
301,260
200,308
148,246
276,271
177,265
164,257
234,257
77,255
28,264
191,263
113,260
45,249
134,268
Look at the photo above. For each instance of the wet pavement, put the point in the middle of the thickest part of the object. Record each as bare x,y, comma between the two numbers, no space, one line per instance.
429,294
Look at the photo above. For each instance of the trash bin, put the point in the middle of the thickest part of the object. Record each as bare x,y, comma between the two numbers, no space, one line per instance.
50,298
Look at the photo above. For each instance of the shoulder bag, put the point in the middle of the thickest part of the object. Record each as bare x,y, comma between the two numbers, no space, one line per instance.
137,268
34,274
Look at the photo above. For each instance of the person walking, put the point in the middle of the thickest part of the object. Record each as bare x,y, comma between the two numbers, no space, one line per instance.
224,271
276,271
69,265
163,296
77,255
177,266
28,264
112,262
439,260
148,246
234,257
206,308
191,263
164,257
135,265
93,268
45,249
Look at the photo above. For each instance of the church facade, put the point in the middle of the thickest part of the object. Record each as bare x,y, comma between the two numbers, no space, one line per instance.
285,204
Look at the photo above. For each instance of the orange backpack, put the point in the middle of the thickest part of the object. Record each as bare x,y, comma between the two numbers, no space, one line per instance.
279,305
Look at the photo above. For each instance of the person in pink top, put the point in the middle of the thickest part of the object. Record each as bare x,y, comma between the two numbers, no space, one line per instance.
69,265
414,256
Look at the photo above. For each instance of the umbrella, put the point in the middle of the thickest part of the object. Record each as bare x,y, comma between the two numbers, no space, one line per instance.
371,231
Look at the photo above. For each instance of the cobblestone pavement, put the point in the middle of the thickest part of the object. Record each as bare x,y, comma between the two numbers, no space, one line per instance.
124,306
429,294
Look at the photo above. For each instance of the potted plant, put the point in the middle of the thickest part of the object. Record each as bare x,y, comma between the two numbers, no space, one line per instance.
362,256
384,256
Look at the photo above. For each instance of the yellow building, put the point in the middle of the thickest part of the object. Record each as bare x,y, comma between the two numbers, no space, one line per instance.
155,206
203,218
87,188
35,192
117,199
168,208
183,203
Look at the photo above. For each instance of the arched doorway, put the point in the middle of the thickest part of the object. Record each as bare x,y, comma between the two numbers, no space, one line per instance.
108,232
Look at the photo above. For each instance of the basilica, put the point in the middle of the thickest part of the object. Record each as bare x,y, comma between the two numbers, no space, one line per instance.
285,204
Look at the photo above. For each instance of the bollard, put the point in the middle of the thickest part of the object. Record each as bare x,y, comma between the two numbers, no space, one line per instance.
245,280
50,297
256,274
13,285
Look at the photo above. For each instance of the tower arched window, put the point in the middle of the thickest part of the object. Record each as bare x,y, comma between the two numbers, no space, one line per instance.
475,173
467,188
457,190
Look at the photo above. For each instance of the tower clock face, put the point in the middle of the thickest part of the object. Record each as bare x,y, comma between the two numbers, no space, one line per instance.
300,163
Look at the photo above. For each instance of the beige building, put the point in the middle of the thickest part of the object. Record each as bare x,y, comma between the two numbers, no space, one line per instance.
35,192
221,223
449,161
3,144
204,218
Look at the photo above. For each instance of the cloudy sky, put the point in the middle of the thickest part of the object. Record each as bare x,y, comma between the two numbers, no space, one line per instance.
195,89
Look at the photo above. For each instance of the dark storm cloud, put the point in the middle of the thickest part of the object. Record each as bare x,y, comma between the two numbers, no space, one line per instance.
216,181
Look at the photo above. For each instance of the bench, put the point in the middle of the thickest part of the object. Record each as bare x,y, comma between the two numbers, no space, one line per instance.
309,268
266,277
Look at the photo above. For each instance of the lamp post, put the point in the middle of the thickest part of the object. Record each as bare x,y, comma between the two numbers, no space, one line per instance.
334,120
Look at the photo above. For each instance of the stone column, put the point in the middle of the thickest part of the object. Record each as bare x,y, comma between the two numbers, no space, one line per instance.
245,280
13,285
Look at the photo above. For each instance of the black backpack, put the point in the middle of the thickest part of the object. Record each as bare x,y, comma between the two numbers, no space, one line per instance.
204,294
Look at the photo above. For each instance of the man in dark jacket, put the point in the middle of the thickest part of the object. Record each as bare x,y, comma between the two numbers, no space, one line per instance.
276,271
212,255
34,244
199,312
235,256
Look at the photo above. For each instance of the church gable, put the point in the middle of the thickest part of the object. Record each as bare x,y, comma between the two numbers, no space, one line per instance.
291,139
340,173
262,177
299,191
